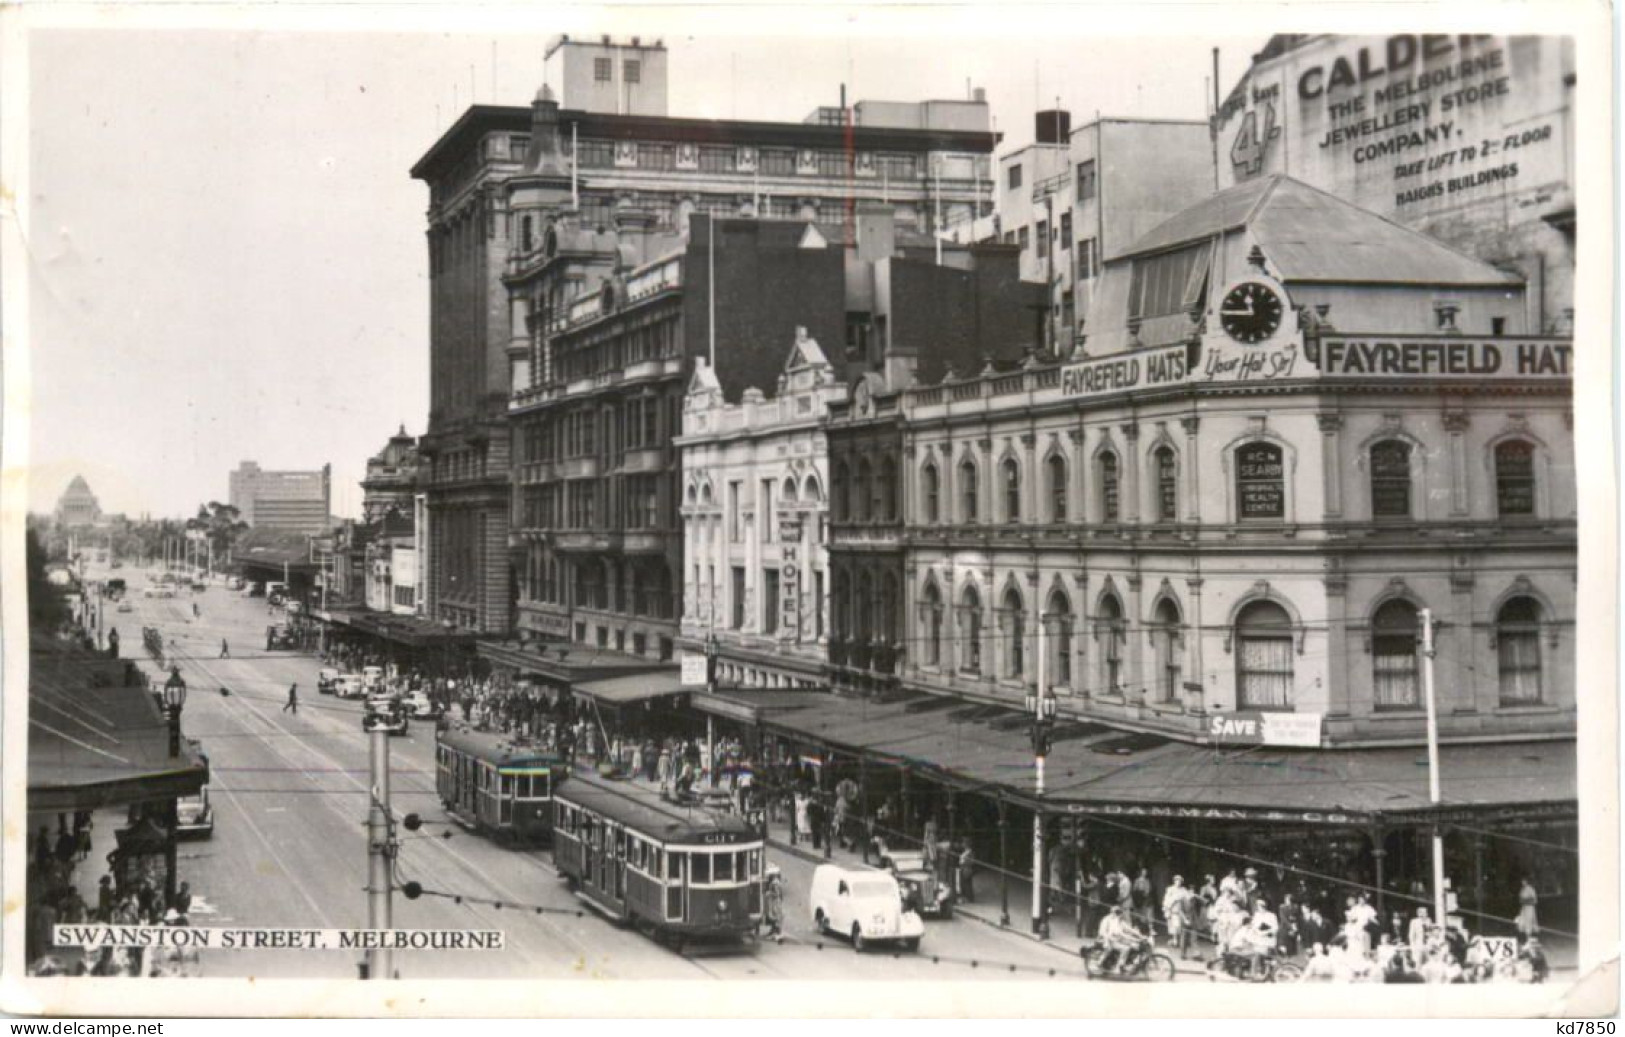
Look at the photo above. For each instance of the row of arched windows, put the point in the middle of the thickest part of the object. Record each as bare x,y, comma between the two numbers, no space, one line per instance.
1264,641
1260,485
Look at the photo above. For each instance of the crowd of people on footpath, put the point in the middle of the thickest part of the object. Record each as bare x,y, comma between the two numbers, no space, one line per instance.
1348,941
54,899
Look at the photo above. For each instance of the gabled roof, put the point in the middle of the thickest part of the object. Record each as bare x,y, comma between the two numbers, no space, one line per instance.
1311,236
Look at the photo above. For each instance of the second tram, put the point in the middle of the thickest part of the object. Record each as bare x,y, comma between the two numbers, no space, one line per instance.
497,786
676,872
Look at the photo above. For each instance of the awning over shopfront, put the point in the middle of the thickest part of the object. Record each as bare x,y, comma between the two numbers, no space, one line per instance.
752,705
1096,770
412,631
621,691
94,743
563,664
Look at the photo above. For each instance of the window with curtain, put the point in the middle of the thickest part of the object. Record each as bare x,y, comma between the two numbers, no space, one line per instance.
1394,632
1170,677
933,626
1059,635
1057,487
1109,633
932,494
1015,624
967,490
1517,643
1108,487
1011,477
1159,283
1264,657
1391,479
970,634
1167,484
1515,477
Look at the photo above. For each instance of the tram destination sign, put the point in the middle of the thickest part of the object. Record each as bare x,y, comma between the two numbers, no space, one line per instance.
1440,357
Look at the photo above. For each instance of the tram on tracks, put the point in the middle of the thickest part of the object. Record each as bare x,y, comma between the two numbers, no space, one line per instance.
497,785
678,873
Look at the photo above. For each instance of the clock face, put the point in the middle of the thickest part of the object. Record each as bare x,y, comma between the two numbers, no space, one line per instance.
1251,312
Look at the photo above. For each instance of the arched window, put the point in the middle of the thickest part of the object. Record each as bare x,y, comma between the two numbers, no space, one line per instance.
525,233
1260,481
863,608
787,493
1108,487
1167,636
933,625
840,604
693,496
705,494
970,632
932,495
1167,484
1517,639
1391,479
1393,653
1014,635
967,491
1057,488
809,490
1109,633
886,626
862,502
1515,477
1263,657
883,508
1058,632
1010,479
843,493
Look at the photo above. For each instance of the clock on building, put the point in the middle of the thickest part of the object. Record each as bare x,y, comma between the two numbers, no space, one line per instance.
1251,312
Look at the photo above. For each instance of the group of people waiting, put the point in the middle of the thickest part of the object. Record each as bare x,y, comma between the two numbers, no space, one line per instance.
54,899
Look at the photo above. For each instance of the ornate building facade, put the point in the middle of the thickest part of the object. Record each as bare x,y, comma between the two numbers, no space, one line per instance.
1225,504
755,512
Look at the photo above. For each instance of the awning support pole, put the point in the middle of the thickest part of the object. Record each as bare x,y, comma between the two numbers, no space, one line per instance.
1004,869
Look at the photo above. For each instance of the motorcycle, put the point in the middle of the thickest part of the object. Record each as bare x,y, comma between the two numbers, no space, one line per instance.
1144,963
1272,969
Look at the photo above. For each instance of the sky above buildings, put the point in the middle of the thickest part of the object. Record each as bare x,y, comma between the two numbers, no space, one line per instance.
225,250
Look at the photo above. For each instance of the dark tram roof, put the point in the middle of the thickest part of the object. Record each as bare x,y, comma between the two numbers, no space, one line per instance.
645,812
499,749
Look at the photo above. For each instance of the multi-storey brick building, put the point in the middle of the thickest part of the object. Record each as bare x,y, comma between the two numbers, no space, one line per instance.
532,210
299,502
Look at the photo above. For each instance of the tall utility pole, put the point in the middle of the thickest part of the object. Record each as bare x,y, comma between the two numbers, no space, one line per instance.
1043,708
1433,763
379,853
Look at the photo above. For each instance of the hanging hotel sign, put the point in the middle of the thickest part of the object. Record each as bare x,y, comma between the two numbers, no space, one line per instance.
1143,370
1445,357
1258,727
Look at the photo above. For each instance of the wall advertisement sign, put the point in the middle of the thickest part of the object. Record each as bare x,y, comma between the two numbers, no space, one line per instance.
694,670
1445,358
1259,727
1140,370
1407,124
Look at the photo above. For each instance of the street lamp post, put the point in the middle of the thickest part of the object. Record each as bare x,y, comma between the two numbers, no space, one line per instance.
174,698
1042,706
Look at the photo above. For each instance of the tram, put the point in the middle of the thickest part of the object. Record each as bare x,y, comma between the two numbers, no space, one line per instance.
678,873
497,786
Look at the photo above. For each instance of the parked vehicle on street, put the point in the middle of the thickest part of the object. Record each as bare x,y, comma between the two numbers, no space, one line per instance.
420,705
194,816
326,678
919,884
383,713
372,677
349,686
279,637
864,904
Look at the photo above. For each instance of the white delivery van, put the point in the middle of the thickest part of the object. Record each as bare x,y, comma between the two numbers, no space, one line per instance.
864,904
